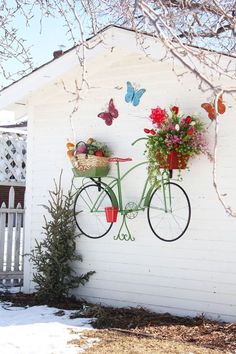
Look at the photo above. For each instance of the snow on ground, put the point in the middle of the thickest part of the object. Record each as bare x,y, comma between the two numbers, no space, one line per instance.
37,330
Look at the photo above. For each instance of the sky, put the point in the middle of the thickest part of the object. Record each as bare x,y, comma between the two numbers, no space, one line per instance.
43,35
47,34
43,39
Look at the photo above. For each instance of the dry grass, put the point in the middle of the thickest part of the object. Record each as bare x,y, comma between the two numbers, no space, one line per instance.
141,323
137,330
115,342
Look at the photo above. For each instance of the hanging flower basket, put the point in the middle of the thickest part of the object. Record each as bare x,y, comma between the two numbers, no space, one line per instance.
111,214
173,161
173,138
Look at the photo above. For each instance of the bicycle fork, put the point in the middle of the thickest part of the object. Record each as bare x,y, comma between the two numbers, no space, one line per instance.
166,175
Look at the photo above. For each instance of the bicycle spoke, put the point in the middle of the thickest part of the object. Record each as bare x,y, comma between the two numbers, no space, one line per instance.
169,212
183,207
82,197
91,221
179,217
156,225
156,208
176,222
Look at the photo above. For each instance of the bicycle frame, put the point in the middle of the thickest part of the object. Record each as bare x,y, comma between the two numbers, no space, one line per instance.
116,182
112,188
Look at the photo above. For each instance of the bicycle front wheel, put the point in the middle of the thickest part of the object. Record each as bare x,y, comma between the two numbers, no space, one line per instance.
169,212
89,211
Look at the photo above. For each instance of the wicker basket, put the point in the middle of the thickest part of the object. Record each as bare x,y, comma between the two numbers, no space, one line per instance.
90,165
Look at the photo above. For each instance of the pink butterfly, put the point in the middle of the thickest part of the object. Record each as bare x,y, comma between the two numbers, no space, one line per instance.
110,114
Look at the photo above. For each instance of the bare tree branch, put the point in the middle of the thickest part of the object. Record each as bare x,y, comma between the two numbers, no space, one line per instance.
198,33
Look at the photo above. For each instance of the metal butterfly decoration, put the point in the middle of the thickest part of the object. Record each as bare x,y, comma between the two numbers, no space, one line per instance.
210,109
133,95
110,114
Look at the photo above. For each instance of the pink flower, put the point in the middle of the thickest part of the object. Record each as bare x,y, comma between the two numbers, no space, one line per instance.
158,116
175,138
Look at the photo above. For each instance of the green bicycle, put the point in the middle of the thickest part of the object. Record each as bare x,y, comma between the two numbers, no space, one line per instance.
168,206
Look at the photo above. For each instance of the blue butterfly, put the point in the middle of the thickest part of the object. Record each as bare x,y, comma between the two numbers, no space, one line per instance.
133,95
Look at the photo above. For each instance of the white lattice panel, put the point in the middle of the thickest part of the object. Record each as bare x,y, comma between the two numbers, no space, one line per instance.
12,157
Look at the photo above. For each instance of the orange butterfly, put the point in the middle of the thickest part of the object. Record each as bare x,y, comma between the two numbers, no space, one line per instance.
211,109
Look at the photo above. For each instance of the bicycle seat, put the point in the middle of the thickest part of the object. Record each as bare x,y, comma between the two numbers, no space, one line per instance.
119,159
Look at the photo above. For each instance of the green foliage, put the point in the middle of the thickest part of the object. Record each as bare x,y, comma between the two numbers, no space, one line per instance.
153,164
53,256
97,146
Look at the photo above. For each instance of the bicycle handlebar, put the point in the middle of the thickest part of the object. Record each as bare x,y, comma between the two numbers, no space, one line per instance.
134,142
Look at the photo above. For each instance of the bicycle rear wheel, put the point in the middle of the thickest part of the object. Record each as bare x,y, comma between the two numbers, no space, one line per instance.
89,210
169,212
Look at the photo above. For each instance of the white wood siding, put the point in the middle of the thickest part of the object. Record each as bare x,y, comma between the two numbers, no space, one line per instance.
196,274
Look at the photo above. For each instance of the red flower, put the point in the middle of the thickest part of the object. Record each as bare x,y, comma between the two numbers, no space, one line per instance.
158,116
175,109
188,120
147,131
190,131
175,146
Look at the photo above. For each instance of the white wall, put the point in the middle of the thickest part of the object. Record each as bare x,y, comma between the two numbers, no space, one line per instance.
192,276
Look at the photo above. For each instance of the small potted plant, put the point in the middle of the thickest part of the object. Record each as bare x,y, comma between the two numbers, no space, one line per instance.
173,139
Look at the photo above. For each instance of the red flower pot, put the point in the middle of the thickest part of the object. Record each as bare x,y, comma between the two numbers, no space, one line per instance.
174,161
111,214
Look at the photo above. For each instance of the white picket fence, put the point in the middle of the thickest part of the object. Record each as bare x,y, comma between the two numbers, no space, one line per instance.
11,242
